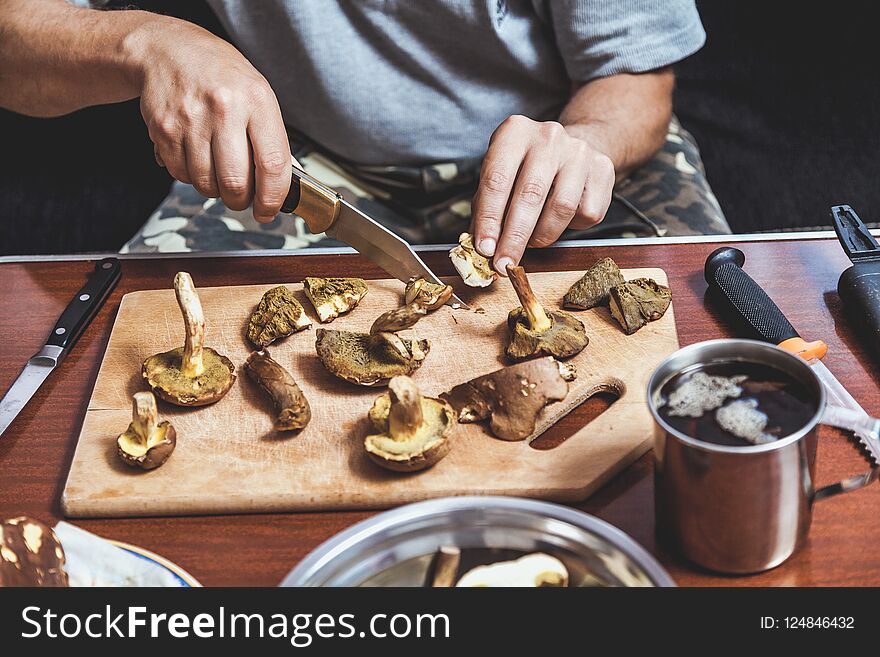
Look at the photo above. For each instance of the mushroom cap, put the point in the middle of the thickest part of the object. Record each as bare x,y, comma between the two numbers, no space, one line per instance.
333,296
278,315
430,443
565,337
30,554
430,295
133,452
362,359
473,267
537,569
163,375
593,288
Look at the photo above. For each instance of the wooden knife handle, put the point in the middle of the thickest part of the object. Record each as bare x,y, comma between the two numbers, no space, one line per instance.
316,203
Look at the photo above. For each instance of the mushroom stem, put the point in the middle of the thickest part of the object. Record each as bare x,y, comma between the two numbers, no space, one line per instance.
538,319
405,416
144,416
194,320
443,569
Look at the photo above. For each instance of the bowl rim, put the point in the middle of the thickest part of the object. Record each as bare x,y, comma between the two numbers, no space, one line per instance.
304,573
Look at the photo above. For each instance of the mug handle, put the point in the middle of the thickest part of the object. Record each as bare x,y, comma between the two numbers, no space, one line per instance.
869,431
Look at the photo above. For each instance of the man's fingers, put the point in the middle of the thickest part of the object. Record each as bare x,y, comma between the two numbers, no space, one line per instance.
272,161
526,202
200,166
597,193
172,156
233,166
562,202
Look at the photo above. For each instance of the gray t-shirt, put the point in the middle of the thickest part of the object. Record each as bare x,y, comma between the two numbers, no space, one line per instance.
419,81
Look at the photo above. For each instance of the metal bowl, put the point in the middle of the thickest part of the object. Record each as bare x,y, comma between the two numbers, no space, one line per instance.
394,548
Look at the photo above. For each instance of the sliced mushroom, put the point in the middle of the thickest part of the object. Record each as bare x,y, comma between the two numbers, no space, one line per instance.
430,295
473,268
512,397
293,407
333,296
535,331
278,315
443,568
371,359
192,375
146,443
414,432
637,302
594,286
30,554
532,570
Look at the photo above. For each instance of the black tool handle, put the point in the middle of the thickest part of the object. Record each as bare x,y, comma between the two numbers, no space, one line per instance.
83,307
744,297
854,236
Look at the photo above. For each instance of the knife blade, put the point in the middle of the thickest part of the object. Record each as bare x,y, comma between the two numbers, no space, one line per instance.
70,325
325,211
749,301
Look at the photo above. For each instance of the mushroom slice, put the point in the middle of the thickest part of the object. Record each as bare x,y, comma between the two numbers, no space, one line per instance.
278,315
473,268
430,295
536,332
192,375
30,554
594,286
371,359
512,397
333,296
414,432
293,407
637,302
146,443
443,568
532,570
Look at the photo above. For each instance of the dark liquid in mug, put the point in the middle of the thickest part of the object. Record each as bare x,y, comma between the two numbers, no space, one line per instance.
736,403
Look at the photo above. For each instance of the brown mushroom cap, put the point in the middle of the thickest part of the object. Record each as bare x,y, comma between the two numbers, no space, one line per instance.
593,288
637,302
473,267
430,295
164,376
413,431
536,332
30,554
147,443
332,297
278,315
293,408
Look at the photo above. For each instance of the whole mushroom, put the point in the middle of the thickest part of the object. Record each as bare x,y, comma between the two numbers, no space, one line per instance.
293,408
146,443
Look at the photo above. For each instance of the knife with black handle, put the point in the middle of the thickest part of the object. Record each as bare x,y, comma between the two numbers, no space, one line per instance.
67,330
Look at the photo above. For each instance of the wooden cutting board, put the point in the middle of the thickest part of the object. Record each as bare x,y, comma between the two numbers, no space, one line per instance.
229,460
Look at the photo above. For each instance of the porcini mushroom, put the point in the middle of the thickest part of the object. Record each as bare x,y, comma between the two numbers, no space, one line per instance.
532,570
30,554
371,359
413,432
637,302
443,567
473,268
534,331
512,397
430,295
146,443
292,406
593,288
333,296
278,315
192,375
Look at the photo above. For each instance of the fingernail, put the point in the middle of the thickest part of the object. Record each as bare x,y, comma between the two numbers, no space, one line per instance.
501,265
487,247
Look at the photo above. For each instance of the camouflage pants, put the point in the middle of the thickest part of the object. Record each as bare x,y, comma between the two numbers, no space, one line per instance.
432,205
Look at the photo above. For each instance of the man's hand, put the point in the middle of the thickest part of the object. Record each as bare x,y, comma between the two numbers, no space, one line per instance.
536,181
213,117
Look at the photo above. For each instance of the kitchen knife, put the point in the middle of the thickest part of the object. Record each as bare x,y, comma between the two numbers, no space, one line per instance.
70,325
742,295
325,211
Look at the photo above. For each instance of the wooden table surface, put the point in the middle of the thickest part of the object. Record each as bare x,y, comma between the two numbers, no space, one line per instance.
258,550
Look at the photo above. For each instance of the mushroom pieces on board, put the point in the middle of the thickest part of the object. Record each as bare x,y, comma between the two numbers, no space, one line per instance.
430,295
30,554
412,432
147,443
637,302
512,397
593,288
293,408
533,570
278,315
534,331
473,267
371,359
192,375
332,297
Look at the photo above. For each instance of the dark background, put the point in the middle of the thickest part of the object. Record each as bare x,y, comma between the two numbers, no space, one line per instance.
784,101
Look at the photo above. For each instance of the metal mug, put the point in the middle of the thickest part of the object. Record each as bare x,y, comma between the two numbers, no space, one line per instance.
742,509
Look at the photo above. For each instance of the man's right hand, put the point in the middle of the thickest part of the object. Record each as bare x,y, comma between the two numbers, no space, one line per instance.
213,117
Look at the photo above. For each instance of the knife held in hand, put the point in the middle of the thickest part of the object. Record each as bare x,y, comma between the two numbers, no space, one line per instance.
325,211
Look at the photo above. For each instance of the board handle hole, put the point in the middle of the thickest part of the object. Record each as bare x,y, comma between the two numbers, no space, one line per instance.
579,417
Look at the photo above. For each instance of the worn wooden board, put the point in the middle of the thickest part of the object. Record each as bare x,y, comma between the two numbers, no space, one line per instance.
229,460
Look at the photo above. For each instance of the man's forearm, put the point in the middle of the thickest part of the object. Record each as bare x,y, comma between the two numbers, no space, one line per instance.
56,58
624,116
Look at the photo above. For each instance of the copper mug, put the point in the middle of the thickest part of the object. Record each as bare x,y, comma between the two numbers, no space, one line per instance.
741,509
